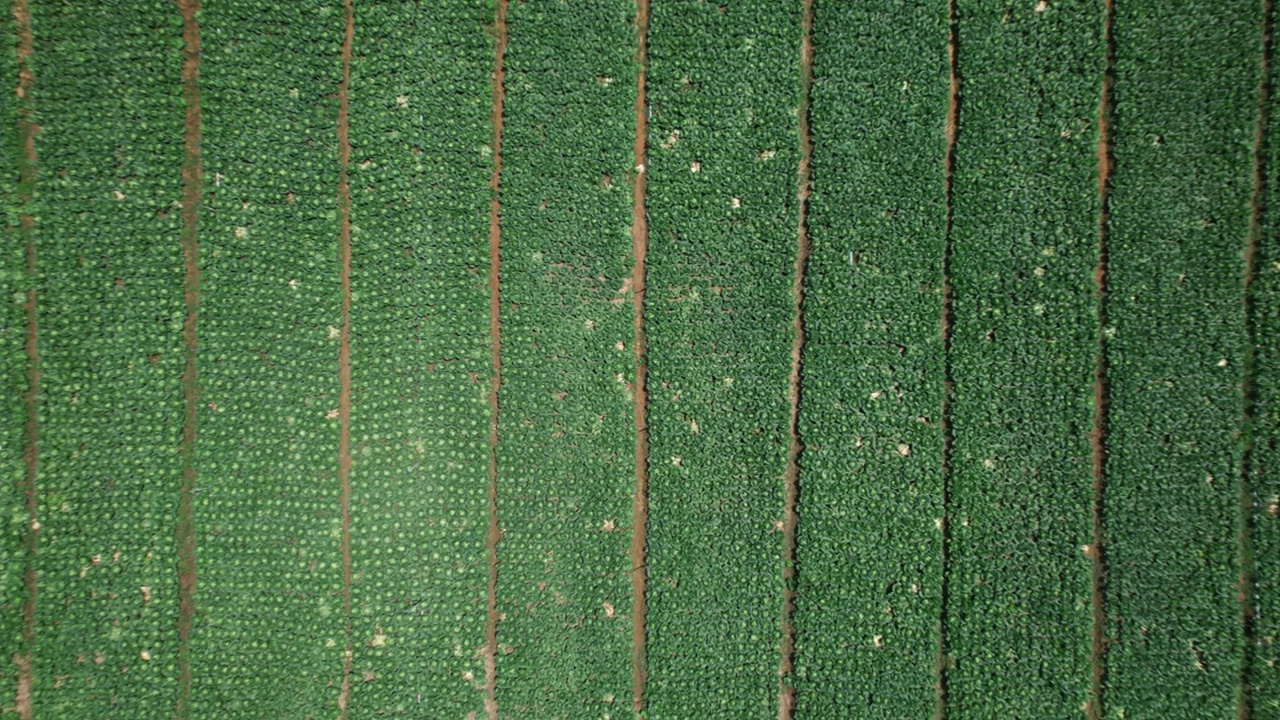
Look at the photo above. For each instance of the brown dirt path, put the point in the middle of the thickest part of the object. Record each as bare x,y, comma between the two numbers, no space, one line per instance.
344,349
495,344
27,172
1257,219
639,253
1101,390
191,194
952,127
786,691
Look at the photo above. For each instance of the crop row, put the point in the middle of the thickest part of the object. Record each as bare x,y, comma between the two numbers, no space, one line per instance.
269,631
566,443
724,88
111,310
420,105
1023,354
1186,106
869,590
1264,461
14,283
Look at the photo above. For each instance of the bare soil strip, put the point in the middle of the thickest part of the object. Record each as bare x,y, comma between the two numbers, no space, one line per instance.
1244,705
191,193
27,166
495,349
1101,389
344,349
786,690
639,252
948,383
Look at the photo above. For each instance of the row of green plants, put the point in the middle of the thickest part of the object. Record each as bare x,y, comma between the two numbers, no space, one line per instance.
566,439
724,89
269,631
420,163
1023,352
869,590
1186,98
109,281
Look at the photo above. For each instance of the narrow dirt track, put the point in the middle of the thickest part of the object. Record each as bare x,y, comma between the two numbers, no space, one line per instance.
786,691
1101,391
948,382
639,252
27,172
1248,386
344,350
495,345
192,190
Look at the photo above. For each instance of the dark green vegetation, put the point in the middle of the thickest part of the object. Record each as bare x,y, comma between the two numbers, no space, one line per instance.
109,283
566,437
1263,440
1186,105
420,358
14,284
723,151
946,553
1023,350
873,364
269,628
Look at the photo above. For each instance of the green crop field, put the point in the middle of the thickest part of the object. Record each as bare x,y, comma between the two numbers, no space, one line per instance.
601,359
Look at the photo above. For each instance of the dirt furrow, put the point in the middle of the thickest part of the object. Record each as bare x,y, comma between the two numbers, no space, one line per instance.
344,350
495,349
786,690
1101,393
948,382
27,171
639,251
191,195
1257,219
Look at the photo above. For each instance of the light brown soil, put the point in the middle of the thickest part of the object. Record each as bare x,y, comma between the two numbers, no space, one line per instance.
27,130
191,193
344,348
495,349
786,691
640,392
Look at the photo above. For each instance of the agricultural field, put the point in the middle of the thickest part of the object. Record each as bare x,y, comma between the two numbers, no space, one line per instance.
600,359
